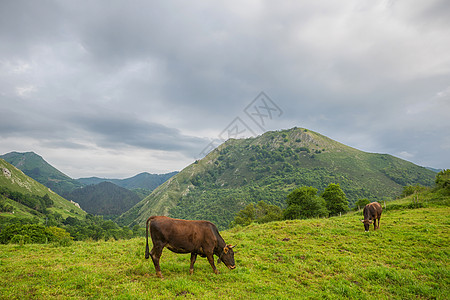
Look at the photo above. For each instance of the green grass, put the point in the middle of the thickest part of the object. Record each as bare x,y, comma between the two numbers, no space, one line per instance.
318,259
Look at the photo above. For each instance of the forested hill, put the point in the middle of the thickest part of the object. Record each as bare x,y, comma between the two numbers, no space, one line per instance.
37,168
267,168
105,199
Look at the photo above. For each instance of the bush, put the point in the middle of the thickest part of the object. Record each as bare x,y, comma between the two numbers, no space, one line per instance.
5,207
259,213
20,239
411,189
25,234
34,233
60,236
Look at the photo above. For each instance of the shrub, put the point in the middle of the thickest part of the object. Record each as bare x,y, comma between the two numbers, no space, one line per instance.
60,236
27,233
411,189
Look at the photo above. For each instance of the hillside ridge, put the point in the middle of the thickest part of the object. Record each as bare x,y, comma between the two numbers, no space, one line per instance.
14,180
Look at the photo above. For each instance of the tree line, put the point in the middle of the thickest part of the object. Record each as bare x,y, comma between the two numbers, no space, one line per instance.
36,202
302,203
48,226
64,231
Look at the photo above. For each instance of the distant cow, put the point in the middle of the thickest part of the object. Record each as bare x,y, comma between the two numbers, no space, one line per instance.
372,213
181,236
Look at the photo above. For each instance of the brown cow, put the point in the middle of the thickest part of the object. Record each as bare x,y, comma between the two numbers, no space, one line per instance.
372,213
182,236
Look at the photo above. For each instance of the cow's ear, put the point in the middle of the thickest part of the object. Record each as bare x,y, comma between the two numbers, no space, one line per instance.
225,250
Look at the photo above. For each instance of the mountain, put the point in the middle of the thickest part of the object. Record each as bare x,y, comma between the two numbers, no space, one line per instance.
434,170
29,193
267,168
105,199
37,168
141,181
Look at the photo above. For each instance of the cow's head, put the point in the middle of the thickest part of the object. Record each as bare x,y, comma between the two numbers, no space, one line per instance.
227,257
366,224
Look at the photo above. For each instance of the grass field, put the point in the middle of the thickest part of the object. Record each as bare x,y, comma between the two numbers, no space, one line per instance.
319,259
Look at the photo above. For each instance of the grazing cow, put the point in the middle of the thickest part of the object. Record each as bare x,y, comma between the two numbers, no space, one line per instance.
182,236
372,213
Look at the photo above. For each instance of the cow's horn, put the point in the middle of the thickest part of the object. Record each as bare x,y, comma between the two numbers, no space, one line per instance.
231,246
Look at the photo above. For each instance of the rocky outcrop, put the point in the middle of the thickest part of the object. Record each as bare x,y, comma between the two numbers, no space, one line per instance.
6,172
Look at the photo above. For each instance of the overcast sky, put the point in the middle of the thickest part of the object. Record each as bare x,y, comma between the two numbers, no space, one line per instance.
115,88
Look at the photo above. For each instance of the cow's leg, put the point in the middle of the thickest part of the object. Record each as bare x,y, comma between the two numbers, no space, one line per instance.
193,258
375,224
378,226
211,262
156,255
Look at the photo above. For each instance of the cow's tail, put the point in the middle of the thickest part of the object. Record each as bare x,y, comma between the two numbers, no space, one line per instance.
147,250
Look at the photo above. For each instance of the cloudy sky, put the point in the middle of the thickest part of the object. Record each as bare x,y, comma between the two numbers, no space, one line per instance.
115,88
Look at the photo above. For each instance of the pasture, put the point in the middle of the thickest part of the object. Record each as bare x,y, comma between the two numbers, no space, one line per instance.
319,259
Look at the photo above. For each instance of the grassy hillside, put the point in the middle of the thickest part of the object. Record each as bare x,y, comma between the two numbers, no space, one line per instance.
16,181
331,258
37,168
267,168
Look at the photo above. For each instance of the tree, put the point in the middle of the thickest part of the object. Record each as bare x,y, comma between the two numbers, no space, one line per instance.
443,180
303,203
335,199
411,189
265,213
361,203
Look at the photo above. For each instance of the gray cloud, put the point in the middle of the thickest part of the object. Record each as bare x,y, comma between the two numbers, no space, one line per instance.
161,79
116,131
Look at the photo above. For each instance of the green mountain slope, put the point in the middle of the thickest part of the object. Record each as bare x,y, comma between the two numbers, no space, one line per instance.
104,198
14,180
140,181
37,168
267,168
